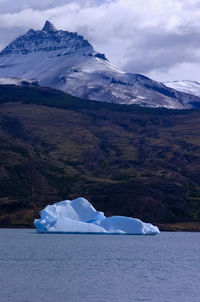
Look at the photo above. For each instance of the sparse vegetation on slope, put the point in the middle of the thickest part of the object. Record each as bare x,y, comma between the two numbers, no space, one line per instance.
126,160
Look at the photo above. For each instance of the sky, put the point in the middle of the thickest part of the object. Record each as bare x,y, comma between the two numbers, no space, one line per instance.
158,38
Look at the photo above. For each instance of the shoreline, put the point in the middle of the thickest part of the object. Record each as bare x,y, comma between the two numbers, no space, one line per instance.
180,227
163,227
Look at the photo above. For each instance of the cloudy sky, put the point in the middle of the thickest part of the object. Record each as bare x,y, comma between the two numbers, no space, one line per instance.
158,38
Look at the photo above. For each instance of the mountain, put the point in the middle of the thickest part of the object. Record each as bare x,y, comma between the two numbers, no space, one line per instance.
126,160
66,61
192,87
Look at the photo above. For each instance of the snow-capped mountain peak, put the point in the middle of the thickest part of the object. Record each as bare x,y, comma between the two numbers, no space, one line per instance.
48,26
67,61
48,40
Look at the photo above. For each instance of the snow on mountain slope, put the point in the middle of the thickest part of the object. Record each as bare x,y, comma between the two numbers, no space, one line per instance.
18,82
66,61
192,87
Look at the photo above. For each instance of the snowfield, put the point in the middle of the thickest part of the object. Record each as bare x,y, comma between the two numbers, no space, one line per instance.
79,216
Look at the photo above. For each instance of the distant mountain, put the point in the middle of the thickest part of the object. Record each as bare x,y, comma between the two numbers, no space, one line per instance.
66,61
192,87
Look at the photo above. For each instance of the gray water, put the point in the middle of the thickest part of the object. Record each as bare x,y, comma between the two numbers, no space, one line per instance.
51,268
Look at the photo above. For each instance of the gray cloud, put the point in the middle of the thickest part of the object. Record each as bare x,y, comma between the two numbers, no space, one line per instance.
155,37
163,50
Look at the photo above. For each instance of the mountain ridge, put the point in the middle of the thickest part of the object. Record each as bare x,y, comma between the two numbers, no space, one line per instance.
187,86
68,62
55,146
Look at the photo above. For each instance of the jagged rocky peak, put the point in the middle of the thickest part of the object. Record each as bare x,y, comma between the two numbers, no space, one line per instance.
49,39
48,26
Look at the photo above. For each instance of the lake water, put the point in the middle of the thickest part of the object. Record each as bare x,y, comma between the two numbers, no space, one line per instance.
94,268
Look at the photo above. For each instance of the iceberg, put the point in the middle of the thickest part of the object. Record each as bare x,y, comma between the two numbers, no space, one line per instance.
79,216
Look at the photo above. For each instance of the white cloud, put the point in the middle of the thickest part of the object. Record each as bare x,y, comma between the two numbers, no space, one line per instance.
154,37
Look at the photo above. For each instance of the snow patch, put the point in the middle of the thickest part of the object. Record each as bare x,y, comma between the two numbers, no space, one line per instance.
112,67
191,87
17,81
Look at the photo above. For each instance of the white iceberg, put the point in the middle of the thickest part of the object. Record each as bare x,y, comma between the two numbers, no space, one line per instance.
79,216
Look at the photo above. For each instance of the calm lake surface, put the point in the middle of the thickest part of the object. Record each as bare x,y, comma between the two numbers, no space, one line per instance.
94,268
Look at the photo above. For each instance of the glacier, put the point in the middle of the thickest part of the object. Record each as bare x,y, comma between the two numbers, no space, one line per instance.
79,216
